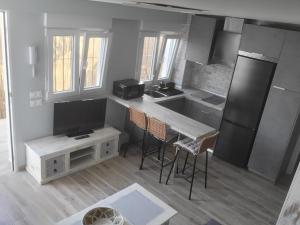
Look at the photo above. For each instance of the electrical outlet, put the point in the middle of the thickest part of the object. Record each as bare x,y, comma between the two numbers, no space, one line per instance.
35,94
39,94
35,103
38,102
31,95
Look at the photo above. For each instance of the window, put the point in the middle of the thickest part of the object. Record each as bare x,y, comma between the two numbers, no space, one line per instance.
168,58
62,63
77,61
156,56
148,58
93,64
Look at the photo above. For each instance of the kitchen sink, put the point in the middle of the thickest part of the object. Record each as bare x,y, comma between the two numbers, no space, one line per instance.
166,92
194,110
215,100
155,94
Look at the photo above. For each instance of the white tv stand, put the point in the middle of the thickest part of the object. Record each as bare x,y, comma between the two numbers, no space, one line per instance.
53,157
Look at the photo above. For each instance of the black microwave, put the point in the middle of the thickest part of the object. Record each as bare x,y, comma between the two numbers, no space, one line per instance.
128,89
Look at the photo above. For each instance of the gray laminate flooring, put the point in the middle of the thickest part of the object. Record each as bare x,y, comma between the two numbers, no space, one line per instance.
233,197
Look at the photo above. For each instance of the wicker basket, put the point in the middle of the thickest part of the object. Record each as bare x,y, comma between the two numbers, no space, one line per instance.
103,216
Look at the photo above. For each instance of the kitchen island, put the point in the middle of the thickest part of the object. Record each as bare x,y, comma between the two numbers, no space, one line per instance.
177,122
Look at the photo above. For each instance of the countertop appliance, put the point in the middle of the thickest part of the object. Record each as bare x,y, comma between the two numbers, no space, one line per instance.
128,89
243,110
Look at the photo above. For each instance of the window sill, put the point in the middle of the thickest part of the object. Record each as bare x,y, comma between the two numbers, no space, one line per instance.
85,94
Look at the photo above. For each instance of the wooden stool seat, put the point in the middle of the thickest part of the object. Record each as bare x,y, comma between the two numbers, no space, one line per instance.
162,133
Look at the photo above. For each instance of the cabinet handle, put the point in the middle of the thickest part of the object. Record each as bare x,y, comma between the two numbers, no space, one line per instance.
55,161
279,88
55,170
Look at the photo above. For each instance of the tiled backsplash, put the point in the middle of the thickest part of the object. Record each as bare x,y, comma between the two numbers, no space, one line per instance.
214,78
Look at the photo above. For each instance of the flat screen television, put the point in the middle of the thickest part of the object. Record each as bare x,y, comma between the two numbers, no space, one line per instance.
79,117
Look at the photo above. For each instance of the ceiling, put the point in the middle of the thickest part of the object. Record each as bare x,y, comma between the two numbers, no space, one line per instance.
286,11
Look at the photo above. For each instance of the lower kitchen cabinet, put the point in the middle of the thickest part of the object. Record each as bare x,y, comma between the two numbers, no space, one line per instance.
274,133
202,113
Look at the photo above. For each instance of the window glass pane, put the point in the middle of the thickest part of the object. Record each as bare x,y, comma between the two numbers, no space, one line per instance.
2,69
62,63
167,59
81,45
148,58
95,62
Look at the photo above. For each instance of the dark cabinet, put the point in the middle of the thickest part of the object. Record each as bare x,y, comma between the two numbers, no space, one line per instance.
288,69
274,133
202,113
200,39
262,40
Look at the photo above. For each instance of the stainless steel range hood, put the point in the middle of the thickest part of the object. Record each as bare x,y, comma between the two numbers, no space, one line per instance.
226,48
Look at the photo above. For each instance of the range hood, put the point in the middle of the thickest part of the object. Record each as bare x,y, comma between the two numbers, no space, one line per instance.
225,49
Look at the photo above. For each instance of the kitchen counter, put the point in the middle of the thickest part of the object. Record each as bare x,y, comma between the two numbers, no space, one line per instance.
176,121
198,95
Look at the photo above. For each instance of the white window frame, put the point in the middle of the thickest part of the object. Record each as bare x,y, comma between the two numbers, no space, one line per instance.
78,78
142,36
94,34
75,69
158,56
161,54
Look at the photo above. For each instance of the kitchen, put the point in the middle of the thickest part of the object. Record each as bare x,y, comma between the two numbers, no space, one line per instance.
168,114
239,77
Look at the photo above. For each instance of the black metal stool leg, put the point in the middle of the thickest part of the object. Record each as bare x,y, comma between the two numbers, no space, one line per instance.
206,165
143,150
185,161
159,150
193,175
172,167
162,161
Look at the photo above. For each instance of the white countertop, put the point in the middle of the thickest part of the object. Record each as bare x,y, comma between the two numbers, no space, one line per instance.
180,123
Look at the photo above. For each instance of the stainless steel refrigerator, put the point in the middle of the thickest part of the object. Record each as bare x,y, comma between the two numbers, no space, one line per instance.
243,110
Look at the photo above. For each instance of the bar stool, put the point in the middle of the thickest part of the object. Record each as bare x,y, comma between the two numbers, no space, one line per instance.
195,148
139,119
164,135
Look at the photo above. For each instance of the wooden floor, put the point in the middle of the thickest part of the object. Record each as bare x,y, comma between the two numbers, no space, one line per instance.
4,162
233,196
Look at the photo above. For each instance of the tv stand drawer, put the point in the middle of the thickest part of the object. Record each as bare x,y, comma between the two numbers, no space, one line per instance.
55,166
107,149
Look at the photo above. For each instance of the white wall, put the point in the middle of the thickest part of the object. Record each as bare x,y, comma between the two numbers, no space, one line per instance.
25,20
291,208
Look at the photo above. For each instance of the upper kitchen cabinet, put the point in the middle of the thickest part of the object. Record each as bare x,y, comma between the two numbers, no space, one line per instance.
262,40
200,39
288,69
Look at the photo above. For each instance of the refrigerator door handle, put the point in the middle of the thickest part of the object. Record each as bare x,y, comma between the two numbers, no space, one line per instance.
279,88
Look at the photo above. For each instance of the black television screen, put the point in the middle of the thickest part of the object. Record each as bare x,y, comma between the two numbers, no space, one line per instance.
77,117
